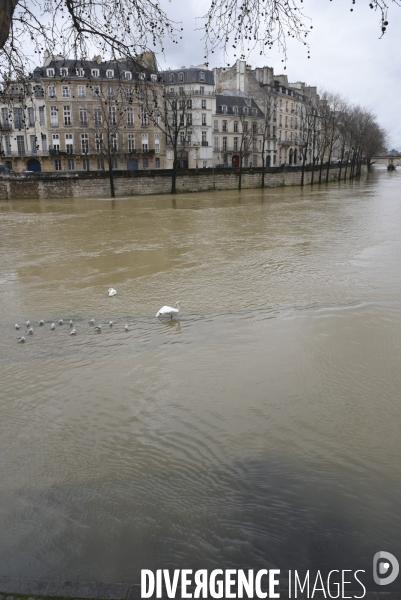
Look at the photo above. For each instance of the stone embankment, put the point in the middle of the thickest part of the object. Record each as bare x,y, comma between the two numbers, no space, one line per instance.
138,183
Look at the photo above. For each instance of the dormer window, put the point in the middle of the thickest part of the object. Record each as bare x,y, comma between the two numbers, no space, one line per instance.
63,72
181,77
245,110
153,77
95,72
127,75
201,76
224,108
50,72
141,76
80,73
109,73
235,110
171,78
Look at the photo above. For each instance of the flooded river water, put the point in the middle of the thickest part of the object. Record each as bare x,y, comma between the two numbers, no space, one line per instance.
259,429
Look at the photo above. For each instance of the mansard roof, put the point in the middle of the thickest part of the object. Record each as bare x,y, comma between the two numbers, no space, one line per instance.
236,99
72,65
190,75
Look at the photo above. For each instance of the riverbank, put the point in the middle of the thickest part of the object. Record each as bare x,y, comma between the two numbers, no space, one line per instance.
14,588
95,184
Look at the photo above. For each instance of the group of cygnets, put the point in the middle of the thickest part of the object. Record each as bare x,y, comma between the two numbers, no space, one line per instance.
165,311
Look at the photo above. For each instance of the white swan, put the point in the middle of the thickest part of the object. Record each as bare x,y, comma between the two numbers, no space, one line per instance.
168,311
112,292
73,332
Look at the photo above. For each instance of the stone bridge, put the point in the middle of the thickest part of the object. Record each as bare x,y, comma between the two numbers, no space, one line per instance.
387,160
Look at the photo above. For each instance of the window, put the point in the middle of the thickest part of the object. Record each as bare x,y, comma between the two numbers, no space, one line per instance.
246,161
56,142
181,104
85,144
94,73
201,76
245,127
81,91
18,118
216,142
96,91
80,73
83,116
100,164
129,95
203,102
181,77
67,114
65,91
203,119
32,140
182,138
42,118
112,115
224,128
131,142
145,142
85,164
181,91
225,159
245,110
171,78
254,145
31,117
254,127
69,143
224,143
204,141
157,144
224,108
63,72
127,75
189,104
5,118
39,92
144,117
57,164
7,143
50,72
130,115
113,141
97,115
235,126
109,73
157,163
235,110
235,144
51,91
141,76
44,142
189,119
110,93
71,164
153,77
99,142
201,90
114,163
215,125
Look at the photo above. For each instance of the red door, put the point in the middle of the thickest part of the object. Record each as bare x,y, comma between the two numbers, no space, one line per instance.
236,161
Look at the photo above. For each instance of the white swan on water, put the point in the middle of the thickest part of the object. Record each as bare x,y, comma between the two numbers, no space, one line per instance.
112,292
168,311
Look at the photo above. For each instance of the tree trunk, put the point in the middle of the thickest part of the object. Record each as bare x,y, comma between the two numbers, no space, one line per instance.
174,180
328,168
7,8
321,168
240,173
303,169
263,164
111,177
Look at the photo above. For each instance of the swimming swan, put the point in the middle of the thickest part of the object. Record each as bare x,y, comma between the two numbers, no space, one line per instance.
168,311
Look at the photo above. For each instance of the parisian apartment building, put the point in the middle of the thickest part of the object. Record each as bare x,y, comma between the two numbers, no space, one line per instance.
82,115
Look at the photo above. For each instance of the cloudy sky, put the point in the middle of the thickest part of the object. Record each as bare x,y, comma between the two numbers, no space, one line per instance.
347,55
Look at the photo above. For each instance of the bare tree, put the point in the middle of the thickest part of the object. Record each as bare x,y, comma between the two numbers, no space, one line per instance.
268,107
129,27
172,113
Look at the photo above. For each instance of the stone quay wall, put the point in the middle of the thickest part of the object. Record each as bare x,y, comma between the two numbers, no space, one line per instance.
138,183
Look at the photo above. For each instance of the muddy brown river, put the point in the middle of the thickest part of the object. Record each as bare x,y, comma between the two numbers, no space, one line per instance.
260,428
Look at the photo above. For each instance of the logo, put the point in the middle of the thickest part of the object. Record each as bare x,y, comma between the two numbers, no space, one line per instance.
385,568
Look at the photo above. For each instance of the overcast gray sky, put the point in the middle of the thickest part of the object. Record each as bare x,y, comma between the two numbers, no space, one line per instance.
347,55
